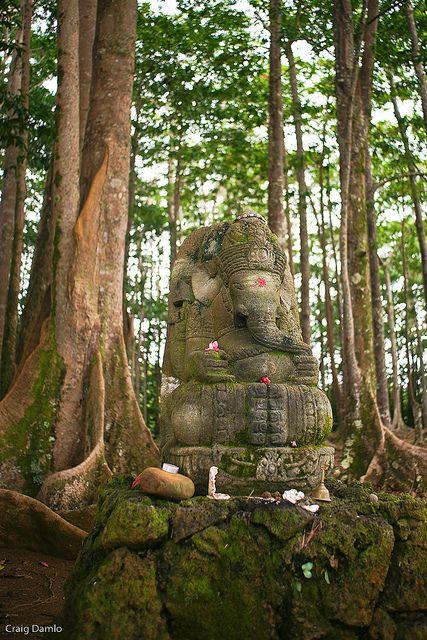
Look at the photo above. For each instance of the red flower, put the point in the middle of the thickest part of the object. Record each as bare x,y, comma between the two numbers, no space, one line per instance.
265,380
262,282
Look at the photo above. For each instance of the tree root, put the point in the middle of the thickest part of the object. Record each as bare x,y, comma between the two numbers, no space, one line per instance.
397,464
29,524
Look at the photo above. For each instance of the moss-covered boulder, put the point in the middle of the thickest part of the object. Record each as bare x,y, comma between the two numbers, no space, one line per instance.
251,569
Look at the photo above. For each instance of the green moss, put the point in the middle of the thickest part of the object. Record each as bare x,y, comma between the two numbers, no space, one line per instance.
283,521
241,575
29,441
136,523
117,601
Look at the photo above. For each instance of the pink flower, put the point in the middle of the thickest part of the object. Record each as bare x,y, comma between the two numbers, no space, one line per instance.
265,380
213,346
262,282
293,444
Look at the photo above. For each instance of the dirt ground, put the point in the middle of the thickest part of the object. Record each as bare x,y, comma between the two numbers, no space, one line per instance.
31,592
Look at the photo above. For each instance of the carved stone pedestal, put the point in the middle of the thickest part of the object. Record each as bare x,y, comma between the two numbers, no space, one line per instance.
246,469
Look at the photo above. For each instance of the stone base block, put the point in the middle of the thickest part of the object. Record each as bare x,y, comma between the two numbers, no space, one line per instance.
258,469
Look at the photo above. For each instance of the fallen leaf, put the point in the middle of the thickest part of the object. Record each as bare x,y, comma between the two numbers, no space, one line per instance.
44,564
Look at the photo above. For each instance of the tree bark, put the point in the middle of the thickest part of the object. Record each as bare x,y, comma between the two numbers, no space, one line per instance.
416,59
397,422
87,24
174,196
345,81
276,219
288,222
17,200
302,199
412,170
129,445
12,203
37,304
415,405
329,311
358,243
377,308
363,430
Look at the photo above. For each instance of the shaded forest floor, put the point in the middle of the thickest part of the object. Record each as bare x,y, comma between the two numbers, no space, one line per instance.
31,590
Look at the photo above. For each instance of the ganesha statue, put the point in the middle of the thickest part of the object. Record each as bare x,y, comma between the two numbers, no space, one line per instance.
239,387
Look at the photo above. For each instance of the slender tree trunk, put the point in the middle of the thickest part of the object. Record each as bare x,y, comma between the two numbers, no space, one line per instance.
302,199
419,218
416,59
422,378
328,300
397,422
288,222
333,242
276,219
377,308
345,79
127,318
320,316
8,351
174,197
13,202
87,24
415,405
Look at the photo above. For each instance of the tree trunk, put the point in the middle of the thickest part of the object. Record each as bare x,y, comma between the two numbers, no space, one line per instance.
329,311
397,422
77,380
416,59
17,196
363,431
87,24
333,242
276,219
12,203
302,200
358,243
38,299
174,197
412,170
37,304
345,80
422,381
415,405
377,308
288,223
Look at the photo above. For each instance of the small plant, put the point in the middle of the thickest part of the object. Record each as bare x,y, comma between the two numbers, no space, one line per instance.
306,569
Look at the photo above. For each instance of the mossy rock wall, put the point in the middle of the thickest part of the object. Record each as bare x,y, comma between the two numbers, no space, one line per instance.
155,570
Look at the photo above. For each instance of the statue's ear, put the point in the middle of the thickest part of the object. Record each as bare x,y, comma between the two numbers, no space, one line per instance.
206,282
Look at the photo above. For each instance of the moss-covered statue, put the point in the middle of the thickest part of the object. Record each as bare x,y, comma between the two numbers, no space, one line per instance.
239,384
